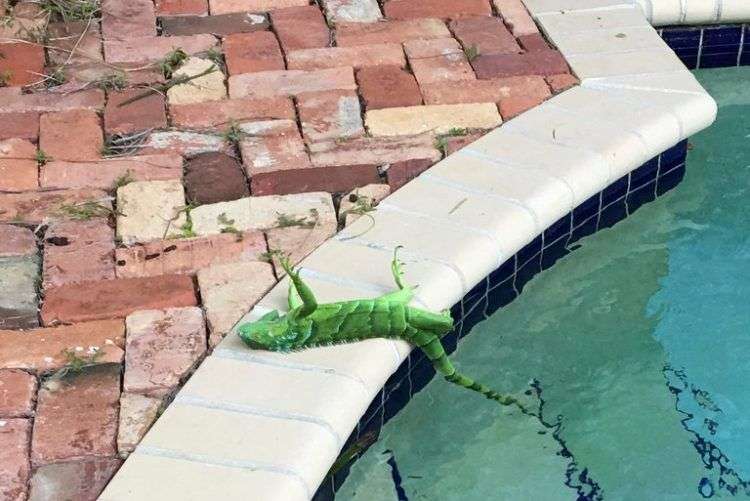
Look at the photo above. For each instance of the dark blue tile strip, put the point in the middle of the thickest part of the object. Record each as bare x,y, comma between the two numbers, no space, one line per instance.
614,203
710,46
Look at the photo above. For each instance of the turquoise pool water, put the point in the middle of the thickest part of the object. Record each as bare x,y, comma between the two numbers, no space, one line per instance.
639,342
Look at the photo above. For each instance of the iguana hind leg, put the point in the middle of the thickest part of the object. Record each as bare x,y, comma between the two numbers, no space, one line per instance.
398,273
293,299
430,344
309,303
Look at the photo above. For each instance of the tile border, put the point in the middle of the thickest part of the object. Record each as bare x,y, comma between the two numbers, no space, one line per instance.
594,153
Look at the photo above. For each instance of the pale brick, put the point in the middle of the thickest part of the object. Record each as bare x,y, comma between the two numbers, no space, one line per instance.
296,242
44,349
357,57
78,251
436,119
137,414
330,115
209,87
373,150
290,82
122,20
251,52
18,166
185,143
361,198
152,49
356,11
35,207
224,112
228,6
438,60
107,173
17,392
348,34
149,210
516,16
229,291
271,146
71,135
163,347
20,275
189,255
77,416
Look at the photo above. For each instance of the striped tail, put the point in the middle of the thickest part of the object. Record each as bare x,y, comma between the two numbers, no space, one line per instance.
431,346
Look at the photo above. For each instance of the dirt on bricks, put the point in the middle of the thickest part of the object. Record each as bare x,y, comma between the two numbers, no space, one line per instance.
154,154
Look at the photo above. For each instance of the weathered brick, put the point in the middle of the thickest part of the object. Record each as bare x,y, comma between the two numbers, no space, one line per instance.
20,275
116,298
134,18
144,113
300,28
93,73
400,173
348,34
181,7
359,56
78,42
71,135
473,91
78,251
152,49
221,25
149,210
12,101
373,150
137,414
229,291
250,52
296,242
532,42
77,416
455,143
214,177
35,207
19,125
445,9
357,11
543,63
44,349
163,347
188,255
523,93
438,60
77,479
272,146
516,16
21,63
16,241
17,392
14,459
487,35
26,20
333,179
18,166
264,212
330,115
436,119
387,87
227,6
224,112
561,82
209,87
107,173
290,82
187,144
363,197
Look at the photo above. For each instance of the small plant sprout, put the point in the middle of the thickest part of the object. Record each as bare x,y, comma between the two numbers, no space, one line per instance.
186,228
124,179
172,62
115,81
71,10
56,78
441,144
227,226
234,133
42,158
285,220
471,52
84,211
77,360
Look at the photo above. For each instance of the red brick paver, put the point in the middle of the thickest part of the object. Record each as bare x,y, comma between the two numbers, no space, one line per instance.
17,393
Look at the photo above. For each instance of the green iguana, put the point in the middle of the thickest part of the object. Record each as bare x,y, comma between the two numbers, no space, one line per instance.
309,324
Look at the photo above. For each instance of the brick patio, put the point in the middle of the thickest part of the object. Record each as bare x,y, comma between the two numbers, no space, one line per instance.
152,154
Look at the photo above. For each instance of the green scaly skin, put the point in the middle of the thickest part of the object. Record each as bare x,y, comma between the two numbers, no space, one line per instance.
309,324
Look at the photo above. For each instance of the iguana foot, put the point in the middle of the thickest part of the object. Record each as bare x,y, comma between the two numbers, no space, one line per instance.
398,273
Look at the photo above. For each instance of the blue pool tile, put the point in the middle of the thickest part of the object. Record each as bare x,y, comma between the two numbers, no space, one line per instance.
558,229
721,39
396,399
477,294
505,271
642,195
719,60
555,251
475,315
670,179
690,62
615,191
527,270
674,156
682,37
614,212
500,296
529,251
644,174
421,375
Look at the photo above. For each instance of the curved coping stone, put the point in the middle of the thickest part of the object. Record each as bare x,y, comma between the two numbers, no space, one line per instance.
268,425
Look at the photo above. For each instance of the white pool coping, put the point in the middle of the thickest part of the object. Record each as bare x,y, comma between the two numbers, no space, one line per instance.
267,426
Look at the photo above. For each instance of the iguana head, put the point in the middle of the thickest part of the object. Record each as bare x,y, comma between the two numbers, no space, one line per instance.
274,332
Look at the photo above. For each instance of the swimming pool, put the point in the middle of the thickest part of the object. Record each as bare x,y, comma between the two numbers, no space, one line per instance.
637,345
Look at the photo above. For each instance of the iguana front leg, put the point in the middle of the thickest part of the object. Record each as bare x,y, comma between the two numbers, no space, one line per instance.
309,303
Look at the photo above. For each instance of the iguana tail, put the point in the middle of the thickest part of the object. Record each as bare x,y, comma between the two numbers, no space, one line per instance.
431,346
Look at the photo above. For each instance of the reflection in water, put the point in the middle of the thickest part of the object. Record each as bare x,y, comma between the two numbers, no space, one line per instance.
660,298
